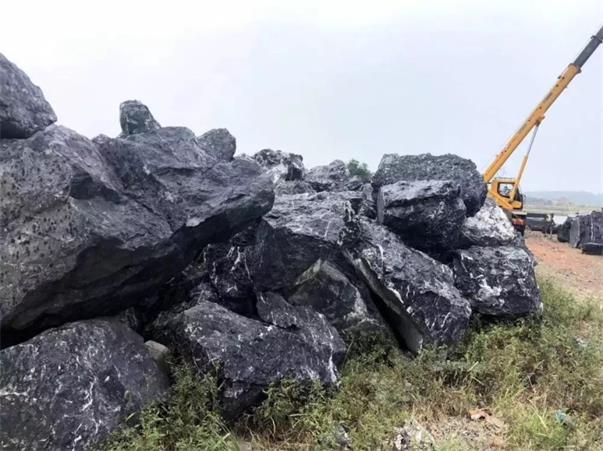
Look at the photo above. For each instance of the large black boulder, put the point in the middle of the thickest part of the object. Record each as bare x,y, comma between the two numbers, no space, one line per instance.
135,117
347,305
489,227
249,355
563,232
218,142
91,228
299,230
170,149
23,108
70,387
586,229
394,168
418,293
499,281
426,214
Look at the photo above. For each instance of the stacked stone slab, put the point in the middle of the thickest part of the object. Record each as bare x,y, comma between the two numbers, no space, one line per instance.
586,232
563,232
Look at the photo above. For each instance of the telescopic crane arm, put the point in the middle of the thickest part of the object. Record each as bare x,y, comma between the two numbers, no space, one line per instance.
537,115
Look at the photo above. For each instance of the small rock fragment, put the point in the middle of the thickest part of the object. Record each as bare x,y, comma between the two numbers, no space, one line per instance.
135,117
489,227
219,143
281,165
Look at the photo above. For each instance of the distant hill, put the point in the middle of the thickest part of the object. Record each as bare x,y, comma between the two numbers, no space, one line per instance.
562,197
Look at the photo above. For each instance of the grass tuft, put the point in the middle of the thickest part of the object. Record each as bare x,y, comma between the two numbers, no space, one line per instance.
188,420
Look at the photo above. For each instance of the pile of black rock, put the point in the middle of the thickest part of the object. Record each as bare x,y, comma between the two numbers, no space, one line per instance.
117,251
584,232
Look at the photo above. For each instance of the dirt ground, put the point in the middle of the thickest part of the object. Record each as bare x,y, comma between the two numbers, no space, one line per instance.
580,273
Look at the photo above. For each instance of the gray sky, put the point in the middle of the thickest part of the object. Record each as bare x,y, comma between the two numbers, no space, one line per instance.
328,79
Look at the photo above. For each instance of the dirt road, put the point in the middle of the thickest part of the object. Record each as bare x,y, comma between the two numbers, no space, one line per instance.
580,273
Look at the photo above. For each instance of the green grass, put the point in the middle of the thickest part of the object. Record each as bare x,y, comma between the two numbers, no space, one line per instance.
542,379
188,420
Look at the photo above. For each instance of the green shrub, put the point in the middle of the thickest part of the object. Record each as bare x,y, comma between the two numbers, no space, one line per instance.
356,168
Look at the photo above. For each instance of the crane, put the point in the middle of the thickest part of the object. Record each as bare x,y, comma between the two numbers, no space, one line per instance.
505,191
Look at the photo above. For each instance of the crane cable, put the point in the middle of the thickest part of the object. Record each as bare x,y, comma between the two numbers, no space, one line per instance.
522,168
532,138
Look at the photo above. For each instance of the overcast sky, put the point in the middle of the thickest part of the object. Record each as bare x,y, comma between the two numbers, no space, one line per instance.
328,79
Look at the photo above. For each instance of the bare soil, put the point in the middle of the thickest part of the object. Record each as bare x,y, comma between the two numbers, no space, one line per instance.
578,272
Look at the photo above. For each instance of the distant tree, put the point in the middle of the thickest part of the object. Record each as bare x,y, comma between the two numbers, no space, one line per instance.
360,169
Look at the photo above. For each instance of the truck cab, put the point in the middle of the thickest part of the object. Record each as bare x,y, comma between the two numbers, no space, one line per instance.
507,195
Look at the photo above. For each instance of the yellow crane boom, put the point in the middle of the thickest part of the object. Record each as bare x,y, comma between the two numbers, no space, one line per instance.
506,191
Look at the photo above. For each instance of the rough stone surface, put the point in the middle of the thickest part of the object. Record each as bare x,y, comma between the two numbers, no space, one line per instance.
100,226
356,183
228,268
499,281
563,232
586,229
135,117
218,142
331,177
203,292
369,206
23,108
170,149
595,232
489,227
132,318
394,168
292,187
69,388
159,353
299,230
348,307
423,304
249,355
281,165
427,214
578,223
